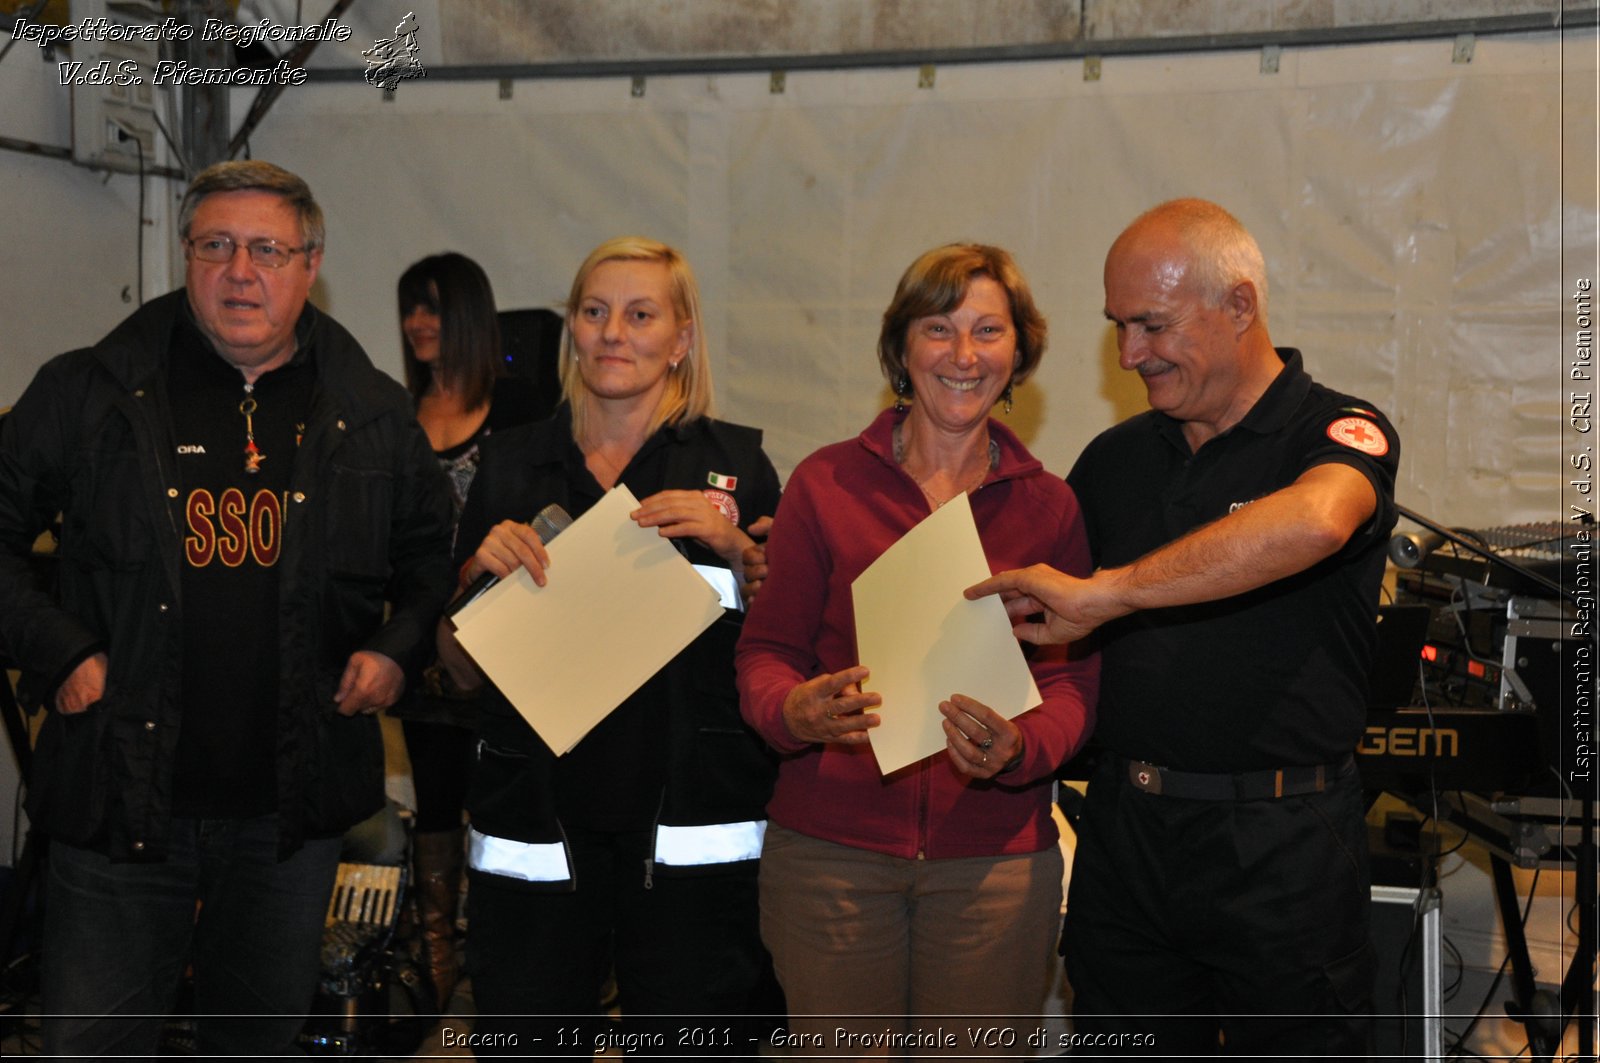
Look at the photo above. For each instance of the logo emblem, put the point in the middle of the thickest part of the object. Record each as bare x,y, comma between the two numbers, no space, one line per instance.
725,505
1358,433
393,59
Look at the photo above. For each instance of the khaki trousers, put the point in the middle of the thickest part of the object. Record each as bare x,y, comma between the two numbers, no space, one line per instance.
882,957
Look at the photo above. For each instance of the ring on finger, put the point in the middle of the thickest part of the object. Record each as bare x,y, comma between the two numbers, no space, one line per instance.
987,744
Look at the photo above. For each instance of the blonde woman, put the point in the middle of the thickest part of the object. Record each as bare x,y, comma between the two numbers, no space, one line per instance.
637,850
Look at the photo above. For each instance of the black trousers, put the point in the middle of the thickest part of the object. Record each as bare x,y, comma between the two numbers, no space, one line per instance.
686,949
441,757
1239,924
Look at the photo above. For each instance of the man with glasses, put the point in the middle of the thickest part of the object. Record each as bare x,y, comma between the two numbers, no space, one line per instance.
241,495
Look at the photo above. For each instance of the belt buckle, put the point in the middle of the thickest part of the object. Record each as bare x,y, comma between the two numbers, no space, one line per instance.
1143,776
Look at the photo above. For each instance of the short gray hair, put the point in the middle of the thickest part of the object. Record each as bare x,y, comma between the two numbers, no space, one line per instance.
254,175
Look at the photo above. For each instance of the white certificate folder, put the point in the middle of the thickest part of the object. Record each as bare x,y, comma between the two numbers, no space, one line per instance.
924,641
619,603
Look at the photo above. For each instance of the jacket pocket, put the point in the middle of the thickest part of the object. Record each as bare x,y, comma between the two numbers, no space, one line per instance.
510,797
356,539
345,784
1351,979
67,793
731,769
711,678
110,527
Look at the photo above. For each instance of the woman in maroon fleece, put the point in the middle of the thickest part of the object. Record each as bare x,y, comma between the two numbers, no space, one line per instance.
903,911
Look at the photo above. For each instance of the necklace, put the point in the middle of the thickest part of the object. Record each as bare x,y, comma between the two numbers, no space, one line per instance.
935,501
611,468
252,453
972,483
626,443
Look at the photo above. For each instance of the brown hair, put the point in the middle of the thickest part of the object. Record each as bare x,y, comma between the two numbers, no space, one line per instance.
936,283
254,175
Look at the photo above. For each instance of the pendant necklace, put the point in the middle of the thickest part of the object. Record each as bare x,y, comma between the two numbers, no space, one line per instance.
252,453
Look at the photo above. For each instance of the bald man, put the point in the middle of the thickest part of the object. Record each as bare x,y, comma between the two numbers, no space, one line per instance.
1238,532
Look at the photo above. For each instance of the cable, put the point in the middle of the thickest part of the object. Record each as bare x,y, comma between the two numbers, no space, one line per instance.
1466,835
1459,1046
177,152
16,824
139,219
1449,992
25,16
138,146
1494,986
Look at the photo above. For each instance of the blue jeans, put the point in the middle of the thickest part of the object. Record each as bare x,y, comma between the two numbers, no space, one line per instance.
118,937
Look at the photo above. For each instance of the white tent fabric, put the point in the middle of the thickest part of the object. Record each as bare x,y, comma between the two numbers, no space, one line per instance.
1419,218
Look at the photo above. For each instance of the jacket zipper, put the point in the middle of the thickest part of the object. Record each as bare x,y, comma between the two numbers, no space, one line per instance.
650,856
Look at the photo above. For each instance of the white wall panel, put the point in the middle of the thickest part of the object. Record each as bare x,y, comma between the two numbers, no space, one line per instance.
1416,216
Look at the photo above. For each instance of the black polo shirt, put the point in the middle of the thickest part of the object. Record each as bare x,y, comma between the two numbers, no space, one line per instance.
1266,679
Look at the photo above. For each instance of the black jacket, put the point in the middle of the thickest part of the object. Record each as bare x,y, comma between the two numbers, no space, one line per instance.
717,769
367,520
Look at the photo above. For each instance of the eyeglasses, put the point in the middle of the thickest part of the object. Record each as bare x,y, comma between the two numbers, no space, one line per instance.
267,253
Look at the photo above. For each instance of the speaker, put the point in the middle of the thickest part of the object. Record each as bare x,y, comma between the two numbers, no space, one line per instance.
1548,670
1409,998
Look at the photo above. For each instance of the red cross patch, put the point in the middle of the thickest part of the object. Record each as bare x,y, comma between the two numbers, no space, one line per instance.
725,504
1358,433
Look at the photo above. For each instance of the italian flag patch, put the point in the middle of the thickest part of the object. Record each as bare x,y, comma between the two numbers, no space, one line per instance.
726,483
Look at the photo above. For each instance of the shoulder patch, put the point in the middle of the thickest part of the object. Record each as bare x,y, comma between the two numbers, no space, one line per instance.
1359,433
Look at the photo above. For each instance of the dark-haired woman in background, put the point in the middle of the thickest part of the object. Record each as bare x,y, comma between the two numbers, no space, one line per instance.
450,336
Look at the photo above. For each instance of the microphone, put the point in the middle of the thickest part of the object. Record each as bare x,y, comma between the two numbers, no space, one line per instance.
1411,549
549,522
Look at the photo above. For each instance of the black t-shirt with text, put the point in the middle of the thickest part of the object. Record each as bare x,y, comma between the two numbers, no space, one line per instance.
232,541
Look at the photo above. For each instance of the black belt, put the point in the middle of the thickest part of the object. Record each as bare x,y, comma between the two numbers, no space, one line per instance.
1239,786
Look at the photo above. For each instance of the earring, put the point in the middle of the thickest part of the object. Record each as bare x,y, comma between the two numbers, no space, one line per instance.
1006,397
902,390
674,367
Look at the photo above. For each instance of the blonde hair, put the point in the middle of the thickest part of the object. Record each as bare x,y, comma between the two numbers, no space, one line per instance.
688,388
